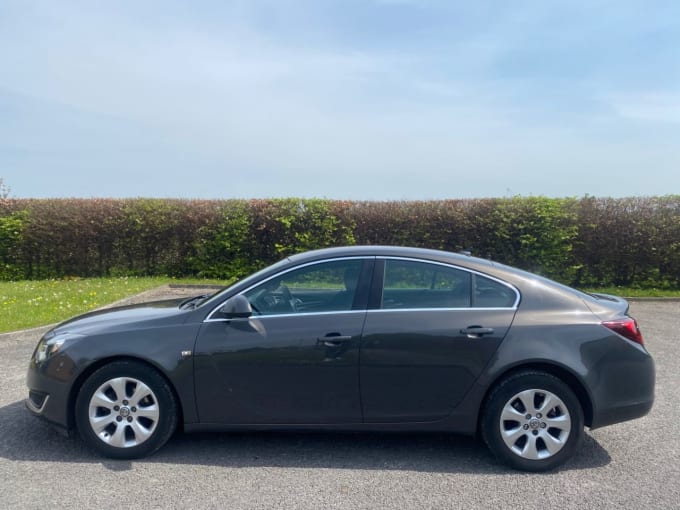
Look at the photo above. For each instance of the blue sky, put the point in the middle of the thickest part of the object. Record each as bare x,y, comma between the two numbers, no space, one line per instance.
372,99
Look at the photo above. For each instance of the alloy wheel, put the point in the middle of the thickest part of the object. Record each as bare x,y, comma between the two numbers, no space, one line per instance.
123,412
535,424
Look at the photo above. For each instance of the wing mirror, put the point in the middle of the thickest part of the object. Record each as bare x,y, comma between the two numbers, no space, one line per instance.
237,307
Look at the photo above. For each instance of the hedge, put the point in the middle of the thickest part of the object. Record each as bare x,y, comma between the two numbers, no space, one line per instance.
583,242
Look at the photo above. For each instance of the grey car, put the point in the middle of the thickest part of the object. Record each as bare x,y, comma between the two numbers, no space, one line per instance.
356,338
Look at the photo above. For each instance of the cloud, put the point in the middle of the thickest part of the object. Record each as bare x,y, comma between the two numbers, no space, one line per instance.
649,107
408,99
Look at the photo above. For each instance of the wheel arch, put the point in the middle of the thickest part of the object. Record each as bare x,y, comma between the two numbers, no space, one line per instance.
565,375
92,368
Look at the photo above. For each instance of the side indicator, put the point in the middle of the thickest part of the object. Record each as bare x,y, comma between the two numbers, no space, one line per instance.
186,354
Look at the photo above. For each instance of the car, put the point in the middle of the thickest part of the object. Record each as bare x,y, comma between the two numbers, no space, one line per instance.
362,338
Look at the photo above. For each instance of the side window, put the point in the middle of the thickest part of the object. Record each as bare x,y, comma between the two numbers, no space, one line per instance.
323,287
492,294
411,284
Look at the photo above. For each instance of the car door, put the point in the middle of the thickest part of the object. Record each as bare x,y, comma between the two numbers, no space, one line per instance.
429,333
295,360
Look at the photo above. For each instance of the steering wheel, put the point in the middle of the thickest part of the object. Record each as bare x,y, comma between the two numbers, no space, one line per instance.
288,297
275,300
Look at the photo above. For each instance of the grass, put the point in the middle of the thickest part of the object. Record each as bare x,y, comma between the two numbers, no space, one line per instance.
27,304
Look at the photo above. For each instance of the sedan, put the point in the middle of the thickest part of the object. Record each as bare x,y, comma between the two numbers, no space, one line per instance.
357,338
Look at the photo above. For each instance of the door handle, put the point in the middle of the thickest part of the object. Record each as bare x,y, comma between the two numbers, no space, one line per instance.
333,339
476,331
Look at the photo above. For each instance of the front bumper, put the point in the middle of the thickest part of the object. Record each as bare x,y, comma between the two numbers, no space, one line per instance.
48,398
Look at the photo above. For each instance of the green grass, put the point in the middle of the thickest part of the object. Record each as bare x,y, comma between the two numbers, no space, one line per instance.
27,304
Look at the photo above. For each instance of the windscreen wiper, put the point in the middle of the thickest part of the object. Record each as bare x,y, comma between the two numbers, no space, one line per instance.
193,302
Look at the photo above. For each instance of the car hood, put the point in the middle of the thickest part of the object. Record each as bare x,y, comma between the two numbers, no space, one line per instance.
123,317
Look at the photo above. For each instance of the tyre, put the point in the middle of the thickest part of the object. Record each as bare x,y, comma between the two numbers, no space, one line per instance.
532,421
126,410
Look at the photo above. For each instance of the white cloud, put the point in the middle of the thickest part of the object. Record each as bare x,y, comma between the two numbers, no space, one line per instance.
487,105
650,106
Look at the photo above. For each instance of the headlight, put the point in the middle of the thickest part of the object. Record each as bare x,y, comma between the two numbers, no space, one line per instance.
50,344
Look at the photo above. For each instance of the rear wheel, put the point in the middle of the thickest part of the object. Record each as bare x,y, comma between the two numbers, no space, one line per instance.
126,410
532,421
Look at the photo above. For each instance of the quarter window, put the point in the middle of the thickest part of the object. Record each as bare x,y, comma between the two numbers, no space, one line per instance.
492,294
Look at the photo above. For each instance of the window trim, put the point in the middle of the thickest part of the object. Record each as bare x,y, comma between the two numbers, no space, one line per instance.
379,280
375,290
210,317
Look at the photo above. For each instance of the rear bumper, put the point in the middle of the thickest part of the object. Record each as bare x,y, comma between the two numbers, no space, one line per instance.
622,413
625,390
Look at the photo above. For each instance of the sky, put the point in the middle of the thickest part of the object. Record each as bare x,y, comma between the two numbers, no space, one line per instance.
342,99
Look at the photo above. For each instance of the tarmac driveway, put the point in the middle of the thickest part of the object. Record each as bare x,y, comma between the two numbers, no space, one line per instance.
630,465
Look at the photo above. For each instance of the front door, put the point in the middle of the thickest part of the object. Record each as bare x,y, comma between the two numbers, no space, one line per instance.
296,360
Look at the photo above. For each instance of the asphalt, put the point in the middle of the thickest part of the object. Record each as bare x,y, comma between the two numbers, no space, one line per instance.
630,465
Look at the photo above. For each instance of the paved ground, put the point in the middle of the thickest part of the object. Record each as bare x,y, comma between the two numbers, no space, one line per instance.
632,465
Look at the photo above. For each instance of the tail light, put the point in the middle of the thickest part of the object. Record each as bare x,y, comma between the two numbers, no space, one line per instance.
627,327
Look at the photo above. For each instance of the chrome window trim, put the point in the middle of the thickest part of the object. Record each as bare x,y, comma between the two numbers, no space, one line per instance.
210,318
288,314
347,312
458,309
453,266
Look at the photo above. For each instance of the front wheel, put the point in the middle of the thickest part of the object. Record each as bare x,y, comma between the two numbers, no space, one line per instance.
532,421
125,410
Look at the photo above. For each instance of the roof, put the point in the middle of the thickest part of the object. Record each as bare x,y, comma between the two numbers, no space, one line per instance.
396,251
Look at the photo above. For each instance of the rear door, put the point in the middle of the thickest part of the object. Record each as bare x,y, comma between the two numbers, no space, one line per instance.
431,331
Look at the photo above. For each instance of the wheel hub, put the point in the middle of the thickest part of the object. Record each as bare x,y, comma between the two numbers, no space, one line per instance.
534,423
125,411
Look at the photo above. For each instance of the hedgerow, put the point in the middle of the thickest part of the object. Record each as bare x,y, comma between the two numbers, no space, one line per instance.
589,241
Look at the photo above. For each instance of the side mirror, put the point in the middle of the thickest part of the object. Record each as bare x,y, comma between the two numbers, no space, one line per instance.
237,307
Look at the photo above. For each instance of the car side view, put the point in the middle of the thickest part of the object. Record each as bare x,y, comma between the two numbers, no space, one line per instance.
354,338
